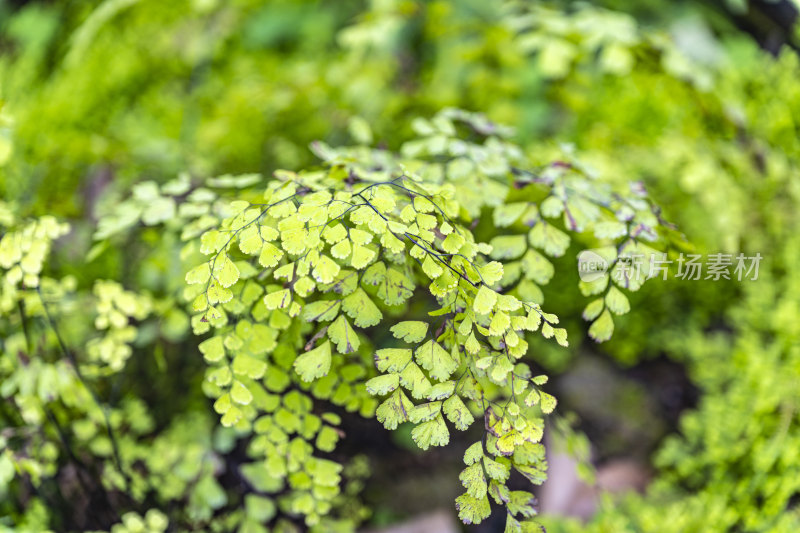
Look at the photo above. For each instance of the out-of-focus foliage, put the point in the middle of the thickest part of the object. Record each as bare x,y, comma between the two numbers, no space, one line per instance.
103,104
724,159
205,87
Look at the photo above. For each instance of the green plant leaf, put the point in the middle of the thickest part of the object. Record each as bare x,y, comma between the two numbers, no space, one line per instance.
199,274
457,413
343,335
392,359
616,301
381,385
225,271
315,363
394,410
440,391
436,360
485,300
410,331
321,310
547,237
473,479
212,349
361,309
593,309
270,255
431,433
602,328
279,299
414,380
472,510
240,394
508,246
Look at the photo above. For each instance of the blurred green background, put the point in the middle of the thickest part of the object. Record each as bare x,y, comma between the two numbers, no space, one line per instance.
700,100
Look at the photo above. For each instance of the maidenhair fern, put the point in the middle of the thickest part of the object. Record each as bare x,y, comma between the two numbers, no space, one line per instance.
405,287
295,279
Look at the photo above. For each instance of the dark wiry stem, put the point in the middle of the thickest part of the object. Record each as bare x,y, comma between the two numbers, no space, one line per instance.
71,357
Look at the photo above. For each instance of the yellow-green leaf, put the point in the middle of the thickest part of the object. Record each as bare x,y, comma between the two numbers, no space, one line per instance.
602,328
411,331
436,360
199,274
212,349
240,394
432,433
361,309
343,335
315,363
484,301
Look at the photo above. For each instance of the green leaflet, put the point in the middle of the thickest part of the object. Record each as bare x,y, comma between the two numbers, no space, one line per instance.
314,363
491,272
473,479
327,439
453,243
515,526
505,215
547,237
325,270
436,360
396,288
361,256
432,267
457,413
424,412
522,503
394,410
548,402
410,331
278,299
535,267
382,385
240,394
593,309
472,510
500,323
484,300
602,328
616,301
610,230
343,335
341,250
361,309
414,380
431,433
199,274
248,366
225,272
212,349
270,255
392,359
473,453
375,274
321,310
334,233
440,391
508,246
552,207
